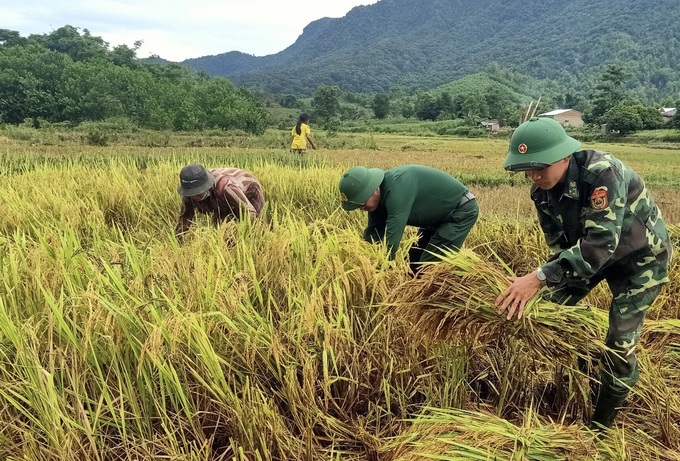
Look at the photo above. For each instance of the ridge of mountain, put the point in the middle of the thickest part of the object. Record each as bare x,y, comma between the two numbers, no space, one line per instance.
426,43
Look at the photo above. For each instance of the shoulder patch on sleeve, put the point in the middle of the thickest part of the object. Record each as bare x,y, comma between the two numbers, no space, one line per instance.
598,199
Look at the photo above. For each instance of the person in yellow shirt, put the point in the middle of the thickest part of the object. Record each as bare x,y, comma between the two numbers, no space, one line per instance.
301,135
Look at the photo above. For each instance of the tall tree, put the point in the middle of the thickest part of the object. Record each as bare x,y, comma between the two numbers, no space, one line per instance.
425,107
475,108
326,102
609,92
10,37
68,40
381,105
623,118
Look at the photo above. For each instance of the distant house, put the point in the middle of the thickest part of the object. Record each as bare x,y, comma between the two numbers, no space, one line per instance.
668,113
566,117
491,125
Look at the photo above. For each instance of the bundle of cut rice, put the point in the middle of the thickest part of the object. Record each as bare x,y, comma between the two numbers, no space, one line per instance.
455,300
453,434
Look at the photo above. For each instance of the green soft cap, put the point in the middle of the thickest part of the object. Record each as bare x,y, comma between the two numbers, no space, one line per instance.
358,184
537,144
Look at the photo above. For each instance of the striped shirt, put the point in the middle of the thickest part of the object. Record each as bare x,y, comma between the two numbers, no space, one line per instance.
235,193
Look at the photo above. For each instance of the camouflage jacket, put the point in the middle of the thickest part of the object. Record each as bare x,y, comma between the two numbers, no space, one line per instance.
235,191
603,215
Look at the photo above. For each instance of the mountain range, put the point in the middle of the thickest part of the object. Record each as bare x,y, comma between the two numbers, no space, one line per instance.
426,43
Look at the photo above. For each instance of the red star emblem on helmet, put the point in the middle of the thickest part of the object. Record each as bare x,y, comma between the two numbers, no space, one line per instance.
522,148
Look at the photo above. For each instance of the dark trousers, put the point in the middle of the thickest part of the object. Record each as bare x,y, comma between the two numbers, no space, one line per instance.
447,235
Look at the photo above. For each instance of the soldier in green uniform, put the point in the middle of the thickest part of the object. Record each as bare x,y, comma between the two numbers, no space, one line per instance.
600,223
440,206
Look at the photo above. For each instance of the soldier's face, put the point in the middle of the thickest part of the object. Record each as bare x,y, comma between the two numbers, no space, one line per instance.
550,176
372,203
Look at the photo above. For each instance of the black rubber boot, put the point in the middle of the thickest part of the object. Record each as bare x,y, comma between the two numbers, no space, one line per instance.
608,405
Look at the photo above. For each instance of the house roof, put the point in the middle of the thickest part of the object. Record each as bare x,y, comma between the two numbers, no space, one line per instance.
556,112
669,111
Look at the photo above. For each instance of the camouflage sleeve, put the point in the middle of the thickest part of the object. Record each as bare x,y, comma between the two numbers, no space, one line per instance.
186,214
601,230
554,236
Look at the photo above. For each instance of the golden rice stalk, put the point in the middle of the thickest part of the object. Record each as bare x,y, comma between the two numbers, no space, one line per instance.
655,400
657,334
664,326
455,300
452,434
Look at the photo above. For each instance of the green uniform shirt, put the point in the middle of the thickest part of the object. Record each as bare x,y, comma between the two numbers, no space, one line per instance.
412,195
600,216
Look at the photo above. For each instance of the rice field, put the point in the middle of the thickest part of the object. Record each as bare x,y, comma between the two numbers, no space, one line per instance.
290,338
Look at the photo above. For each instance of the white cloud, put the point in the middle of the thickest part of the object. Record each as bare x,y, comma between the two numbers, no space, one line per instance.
177,29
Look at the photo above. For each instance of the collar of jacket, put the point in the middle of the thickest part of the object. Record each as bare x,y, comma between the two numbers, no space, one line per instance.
570,188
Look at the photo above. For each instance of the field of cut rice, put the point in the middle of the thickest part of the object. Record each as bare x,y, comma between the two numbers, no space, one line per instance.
290,338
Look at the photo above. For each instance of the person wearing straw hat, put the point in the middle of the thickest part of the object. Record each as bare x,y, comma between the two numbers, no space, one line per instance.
438,204
223,193
601,223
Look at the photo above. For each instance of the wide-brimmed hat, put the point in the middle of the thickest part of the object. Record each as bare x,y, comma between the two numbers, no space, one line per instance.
358,184
194,179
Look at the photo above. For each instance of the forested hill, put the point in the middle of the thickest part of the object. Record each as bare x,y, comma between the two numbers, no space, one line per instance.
424,43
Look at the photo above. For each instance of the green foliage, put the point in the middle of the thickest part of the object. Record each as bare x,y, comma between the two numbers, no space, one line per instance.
326,102
650,116
475,108
10,37
609,92
628,117
123,55
623,118
381,105
496,93
69,41
425,107
74,78
331,126
101,133
28,78
289,101
22,132
420,44
675,121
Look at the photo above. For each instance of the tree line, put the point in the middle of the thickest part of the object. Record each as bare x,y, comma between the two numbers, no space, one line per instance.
499,94
70,77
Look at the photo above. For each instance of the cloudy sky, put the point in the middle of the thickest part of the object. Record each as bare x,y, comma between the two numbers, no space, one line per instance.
178,29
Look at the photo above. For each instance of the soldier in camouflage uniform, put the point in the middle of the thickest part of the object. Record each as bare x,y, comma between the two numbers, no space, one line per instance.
600,223
223,193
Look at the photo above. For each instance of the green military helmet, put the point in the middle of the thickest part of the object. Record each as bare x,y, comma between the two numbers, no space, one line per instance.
358,184
538,143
